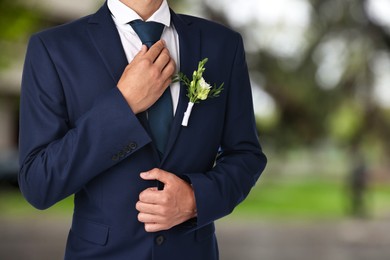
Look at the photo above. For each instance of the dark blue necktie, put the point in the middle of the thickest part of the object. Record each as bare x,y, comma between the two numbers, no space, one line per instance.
160,114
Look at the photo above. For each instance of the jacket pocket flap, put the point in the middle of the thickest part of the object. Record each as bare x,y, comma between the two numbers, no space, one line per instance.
90,231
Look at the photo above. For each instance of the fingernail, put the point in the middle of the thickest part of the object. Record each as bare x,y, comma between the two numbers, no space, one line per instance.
144,174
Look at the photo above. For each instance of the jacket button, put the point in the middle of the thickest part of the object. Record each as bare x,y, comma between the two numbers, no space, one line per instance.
160,240
127,149
133,145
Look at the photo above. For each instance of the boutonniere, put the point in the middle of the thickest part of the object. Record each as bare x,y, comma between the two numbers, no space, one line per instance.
197,89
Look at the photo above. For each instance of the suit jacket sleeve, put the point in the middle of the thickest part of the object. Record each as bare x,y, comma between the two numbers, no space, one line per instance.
241,160
58,157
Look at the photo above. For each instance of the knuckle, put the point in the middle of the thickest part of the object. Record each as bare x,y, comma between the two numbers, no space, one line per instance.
141,196
172,63
170,69
138,206
165,200
147,228
165,50
169,179
144,63
168,82
165,220
160,44
164,212
165,56
154,73
172,66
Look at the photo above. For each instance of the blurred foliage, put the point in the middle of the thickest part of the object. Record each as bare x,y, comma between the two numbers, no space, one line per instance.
17,22
309,110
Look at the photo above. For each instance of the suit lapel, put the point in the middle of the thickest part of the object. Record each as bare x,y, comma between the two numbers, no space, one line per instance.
189,44
105,37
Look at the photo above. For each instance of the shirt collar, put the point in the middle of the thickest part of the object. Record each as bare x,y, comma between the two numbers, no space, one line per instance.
123,14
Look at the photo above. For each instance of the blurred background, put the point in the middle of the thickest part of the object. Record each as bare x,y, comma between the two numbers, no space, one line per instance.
320,72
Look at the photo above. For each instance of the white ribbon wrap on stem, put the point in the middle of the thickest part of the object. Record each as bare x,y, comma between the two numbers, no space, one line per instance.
187,114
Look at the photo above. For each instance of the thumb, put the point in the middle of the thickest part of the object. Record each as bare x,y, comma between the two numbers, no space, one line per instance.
156,174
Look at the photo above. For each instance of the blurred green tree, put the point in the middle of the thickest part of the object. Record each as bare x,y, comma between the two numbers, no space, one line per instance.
17,22
326,92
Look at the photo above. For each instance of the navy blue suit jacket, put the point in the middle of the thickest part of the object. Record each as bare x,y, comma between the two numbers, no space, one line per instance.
79,136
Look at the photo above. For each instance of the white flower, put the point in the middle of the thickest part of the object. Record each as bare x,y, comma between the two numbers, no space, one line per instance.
203,90
204,84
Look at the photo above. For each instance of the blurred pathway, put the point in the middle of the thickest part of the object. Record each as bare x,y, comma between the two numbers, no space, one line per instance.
345,240
41,239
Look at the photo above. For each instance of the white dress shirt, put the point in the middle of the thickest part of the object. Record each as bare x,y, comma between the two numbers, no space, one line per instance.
122,15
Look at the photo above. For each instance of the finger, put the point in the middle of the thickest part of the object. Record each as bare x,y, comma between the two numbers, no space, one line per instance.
143,51
163,59
169,69
150,196
155,227
150,218
157,174
148,208
155,50
167,82
144,207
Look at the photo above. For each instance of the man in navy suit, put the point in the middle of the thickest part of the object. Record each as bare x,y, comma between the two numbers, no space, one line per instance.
87,89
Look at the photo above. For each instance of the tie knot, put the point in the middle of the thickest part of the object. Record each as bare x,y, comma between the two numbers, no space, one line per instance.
148,32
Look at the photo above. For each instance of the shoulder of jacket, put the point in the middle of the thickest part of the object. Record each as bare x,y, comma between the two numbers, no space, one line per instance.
64,30
206,24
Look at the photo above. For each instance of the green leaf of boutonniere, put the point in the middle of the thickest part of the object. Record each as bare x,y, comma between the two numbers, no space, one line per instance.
197,89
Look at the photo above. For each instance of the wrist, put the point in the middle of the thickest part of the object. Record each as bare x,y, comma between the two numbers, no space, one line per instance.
131,104
192,212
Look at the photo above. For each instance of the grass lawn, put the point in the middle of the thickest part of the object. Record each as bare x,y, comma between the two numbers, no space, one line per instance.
308,199
13,205
270,199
